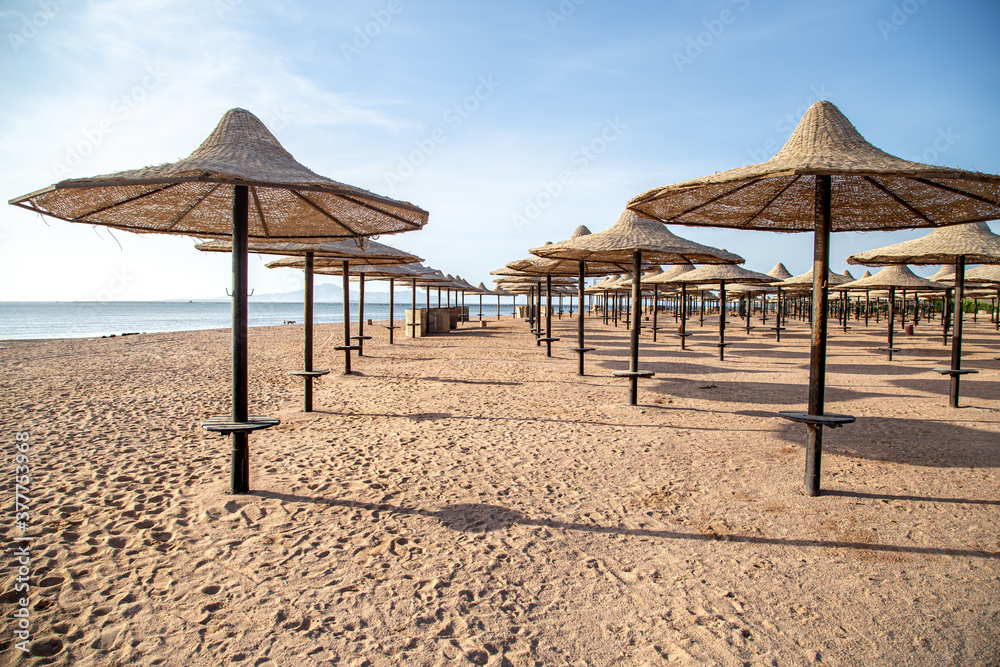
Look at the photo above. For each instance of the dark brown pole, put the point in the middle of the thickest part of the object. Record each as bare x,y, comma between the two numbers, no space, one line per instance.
655,309
684,305
307,405
413,307
361,314
777,317
633,366
817,352
579,324
722,320
749,310
548,314
956,334
892,317
239,478
945,320
392,305
347,319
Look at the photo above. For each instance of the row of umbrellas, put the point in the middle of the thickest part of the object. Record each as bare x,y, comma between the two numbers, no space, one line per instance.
242,185
825,178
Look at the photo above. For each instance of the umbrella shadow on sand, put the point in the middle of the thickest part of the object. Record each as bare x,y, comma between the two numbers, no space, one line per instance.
485,518
918,442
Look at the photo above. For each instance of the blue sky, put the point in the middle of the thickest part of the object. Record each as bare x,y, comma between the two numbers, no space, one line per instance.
470,110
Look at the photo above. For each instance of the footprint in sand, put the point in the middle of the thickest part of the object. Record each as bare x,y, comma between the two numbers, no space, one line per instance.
211,590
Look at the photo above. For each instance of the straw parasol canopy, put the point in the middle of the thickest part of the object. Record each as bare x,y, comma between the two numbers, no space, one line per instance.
894,275
713,273
483,289
329,253
983,274
847,274
721,274
826,178
605,284
973,243
805,280
976,242
194,196
241,184
354,251
636,232
638,239
871,189
780,272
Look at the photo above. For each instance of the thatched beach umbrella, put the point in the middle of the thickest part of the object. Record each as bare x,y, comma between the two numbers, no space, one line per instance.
664,278
779,272
417,274
361,250
561,267
720,273
409,272
965,244
893,277
342,255
239,184
826,178
636,238
987,275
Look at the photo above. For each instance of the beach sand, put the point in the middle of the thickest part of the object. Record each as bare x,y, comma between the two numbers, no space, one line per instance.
462,499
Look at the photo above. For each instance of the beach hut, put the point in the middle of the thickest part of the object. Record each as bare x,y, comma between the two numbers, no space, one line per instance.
826,178
241,184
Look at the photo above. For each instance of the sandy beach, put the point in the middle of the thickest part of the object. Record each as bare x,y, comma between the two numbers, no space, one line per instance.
462,499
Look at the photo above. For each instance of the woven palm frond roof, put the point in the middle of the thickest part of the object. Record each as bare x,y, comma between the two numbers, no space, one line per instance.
194,196
780,272
988,273
976,242
635,231
713,273
805,280
871,189
893,275
360,249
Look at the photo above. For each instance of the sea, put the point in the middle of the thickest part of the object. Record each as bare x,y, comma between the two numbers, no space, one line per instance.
28,320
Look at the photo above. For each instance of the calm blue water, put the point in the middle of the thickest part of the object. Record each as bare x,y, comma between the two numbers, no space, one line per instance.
84,319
